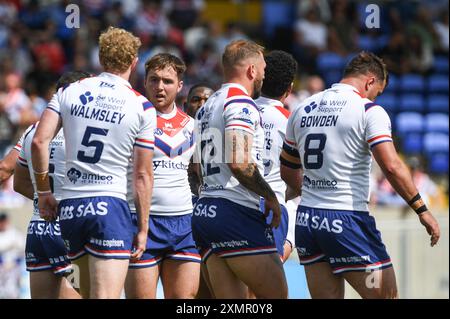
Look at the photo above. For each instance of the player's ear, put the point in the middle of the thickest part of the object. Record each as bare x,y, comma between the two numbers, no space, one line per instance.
289,90
134,63
369,82
251,71
180,86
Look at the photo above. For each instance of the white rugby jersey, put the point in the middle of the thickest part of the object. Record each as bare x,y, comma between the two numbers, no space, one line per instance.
229,108
19,143
56,166
274,120
334,132
174,146
103,118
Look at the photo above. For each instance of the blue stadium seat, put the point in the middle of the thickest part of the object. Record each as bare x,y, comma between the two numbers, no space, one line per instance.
333,76
438,163
388,101
436,122
382,41
437,103
409,122
329,61
435,143
367,42
392,84
412,143
440,64
438,83
412,83
412,103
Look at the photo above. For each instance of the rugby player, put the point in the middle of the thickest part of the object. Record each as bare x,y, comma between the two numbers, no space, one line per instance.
105,122
46,255
171,253
334,134
235,241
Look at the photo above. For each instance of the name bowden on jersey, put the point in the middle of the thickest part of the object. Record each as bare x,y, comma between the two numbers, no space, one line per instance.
104,109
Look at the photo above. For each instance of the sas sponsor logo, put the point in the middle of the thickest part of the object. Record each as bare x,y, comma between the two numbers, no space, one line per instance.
69,212
319,183
304,219
75,176
158,132
205,210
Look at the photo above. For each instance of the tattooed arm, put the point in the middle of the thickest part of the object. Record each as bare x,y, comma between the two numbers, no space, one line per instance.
246,172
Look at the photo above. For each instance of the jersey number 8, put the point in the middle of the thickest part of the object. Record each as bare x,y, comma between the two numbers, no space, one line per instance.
313,157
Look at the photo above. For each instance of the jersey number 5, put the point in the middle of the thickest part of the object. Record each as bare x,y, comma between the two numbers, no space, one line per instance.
81,156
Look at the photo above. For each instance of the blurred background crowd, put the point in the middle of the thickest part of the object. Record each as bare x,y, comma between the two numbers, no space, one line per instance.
36,47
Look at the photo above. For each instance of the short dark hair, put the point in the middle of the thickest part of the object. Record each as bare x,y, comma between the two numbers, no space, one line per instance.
280,72
162,60
367,62
199,85
70,77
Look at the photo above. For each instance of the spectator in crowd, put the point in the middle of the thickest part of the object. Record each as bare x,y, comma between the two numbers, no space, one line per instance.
15,109
429,191
441,27
322,6
314,84
394,54
151,20
11,255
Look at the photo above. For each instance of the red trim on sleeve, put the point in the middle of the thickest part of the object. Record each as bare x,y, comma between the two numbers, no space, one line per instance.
233,91
283,111
377,137
248,127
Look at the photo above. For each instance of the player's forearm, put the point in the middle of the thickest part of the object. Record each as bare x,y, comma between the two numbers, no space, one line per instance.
248,175
23,188
7,165
194,178
400,178
40,156
5,172
143,190
242,166
293,179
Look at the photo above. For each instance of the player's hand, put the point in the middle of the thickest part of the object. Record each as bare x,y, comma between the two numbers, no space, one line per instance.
431,225
271,204
48,207
139,245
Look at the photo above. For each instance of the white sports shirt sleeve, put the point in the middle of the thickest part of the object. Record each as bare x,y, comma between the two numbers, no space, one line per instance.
103,119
